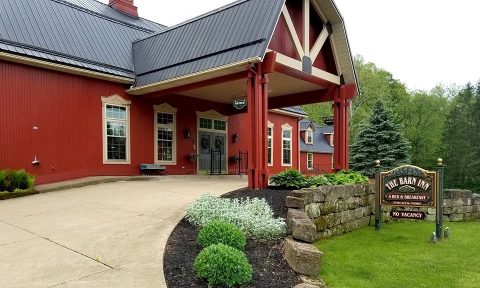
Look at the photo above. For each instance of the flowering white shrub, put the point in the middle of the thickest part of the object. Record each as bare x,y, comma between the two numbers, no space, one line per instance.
253,216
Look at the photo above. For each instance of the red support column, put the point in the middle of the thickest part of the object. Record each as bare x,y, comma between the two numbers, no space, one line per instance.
340,122
257,96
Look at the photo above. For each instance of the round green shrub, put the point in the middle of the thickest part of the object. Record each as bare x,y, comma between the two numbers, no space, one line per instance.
289,178
218,231
220,264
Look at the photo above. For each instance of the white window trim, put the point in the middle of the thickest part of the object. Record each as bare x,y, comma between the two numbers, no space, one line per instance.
271,126
115,100
287,127
309,154
308,132
212,115
165,108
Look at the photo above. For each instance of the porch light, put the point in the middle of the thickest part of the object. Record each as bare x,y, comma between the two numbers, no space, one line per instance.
235,138
187,134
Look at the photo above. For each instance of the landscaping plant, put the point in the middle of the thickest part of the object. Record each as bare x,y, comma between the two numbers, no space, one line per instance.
290,178
253,216
221,264
14,180
4,180
218,231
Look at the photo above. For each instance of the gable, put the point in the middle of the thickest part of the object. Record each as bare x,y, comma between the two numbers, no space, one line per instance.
310,36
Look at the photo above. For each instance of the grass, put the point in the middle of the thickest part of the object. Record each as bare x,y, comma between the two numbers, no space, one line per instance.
400,255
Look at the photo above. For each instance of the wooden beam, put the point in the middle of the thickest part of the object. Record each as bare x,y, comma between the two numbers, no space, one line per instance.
268,64
332,78
322,38
293,32
201,84
306,27
303,98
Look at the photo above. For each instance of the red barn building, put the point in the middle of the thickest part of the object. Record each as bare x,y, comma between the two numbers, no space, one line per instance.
92,89
316,148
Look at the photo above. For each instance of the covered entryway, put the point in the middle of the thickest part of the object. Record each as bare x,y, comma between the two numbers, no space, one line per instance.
274,54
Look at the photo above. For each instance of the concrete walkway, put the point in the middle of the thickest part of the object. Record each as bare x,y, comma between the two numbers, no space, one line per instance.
106,235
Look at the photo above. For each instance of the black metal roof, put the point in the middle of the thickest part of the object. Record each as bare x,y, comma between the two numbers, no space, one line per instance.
82,33
236,32
294,109
320,143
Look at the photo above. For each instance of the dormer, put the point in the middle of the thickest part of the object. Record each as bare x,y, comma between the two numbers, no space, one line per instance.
309,136
329,137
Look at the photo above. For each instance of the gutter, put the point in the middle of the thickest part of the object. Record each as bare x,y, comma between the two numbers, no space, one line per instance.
64,68
193,77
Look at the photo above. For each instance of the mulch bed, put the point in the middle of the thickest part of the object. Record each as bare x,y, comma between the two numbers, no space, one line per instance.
269,267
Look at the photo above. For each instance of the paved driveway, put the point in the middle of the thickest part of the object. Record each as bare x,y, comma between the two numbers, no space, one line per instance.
107,235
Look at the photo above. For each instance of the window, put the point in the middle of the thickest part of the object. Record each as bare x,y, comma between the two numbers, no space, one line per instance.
310,161
286,145
116,126
211,124
165,134
309,136
270,144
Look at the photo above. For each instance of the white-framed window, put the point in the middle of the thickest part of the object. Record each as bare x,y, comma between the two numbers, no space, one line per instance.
165,118
212,124
310,161
309,136
286,145
116,130
270,144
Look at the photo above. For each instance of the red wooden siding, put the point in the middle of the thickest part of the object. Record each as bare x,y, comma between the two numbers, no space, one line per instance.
278,120
67,110
321,162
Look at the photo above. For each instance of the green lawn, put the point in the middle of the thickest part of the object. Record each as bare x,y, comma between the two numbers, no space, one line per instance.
401,256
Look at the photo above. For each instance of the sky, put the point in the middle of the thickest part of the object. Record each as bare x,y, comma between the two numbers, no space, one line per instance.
421,42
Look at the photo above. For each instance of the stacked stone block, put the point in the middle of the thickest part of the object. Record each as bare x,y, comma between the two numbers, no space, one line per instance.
335,209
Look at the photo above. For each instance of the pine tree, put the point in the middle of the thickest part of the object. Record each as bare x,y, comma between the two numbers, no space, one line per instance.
379,139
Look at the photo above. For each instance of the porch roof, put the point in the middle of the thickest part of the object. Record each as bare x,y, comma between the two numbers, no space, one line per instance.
234,34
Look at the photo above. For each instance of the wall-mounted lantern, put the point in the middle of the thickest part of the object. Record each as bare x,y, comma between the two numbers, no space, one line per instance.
187,134
235,138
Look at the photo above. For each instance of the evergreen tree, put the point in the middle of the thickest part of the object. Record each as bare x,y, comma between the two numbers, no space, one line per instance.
379,139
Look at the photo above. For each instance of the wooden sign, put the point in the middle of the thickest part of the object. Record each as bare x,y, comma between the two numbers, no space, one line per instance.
408,186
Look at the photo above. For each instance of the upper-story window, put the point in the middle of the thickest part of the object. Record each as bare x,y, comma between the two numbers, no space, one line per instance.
309,136
116,130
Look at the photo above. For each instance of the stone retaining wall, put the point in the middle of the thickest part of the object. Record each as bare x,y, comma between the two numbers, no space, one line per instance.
339,209
335,209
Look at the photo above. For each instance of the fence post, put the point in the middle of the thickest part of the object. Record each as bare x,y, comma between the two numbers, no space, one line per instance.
439,220
378,210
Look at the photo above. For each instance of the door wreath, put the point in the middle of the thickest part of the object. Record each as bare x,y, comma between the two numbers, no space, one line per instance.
205,143
218,143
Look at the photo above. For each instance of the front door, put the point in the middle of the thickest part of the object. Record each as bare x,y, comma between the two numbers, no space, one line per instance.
212,156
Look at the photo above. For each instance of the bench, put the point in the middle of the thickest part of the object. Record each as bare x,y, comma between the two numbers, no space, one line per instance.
146,168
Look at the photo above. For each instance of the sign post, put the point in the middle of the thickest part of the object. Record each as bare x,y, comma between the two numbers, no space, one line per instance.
378,210
439,218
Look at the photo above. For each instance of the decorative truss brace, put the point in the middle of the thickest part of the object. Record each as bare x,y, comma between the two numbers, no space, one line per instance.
305,51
